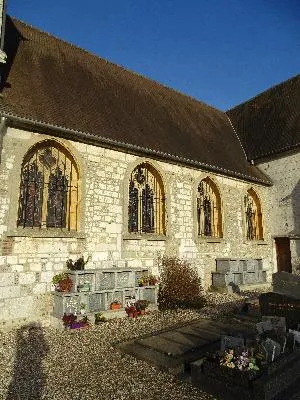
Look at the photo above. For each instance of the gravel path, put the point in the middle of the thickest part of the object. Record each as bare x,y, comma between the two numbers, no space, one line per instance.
44,363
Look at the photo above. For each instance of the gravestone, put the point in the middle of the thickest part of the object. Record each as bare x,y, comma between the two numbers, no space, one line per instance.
296,335
272,349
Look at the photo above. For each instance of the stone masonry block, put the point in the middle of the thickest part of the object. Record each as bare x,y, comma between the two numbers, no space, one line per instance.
4,312
100,256
22,307
39,288
47,276
17,268
7,279
12,260
114,228
37,267
26,278
10,292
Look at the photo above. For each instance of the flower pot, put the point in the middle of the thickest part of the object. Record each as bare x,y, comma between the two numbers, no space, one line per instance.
77,325
130,315
114,306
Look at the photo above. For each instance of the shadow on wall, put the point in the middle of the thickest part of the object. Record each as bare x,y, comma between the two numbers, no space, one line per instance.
294,199
2,134
28,378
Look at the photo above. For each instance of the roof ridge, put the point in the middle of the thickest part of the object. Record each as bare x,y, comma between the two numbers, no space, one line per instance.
123,68
270,89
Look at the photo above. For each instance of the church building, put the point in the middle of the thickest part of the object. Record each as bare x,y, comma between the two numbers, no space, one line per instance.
100,162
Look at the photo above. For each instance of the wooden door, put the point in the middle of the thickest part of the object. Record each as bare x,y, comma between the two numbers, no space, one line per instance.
283,254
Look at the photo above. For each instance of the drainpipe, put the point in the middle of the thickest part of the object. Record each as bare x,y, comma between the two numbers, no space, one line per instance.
2,129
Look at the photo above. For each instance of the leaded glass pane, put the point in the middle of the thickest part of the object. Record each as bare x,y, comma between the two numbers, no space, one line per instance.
49,188
146,208
209,216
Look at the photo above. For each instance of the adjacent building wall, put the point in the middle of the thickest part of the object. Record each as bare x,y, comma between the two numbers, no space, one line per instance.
284,171
29,259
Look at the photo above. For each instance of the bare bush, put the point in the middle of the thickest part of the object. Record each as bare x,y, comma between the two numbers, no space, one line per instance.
180,285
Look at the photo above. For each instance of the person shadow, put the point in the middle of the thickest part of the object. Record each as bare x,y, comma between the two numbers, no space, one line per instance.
28,378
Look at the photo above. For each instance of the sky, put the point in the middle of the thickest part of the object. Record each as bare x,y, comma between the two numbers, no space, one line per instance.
220,52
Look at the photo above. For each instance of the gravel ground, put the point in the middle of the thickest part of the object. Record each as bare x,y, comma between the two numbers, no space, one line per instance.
45,363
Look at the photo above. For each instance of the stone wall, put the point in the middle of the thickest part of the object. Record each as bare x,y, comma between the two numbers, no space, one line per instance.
285,200
29,258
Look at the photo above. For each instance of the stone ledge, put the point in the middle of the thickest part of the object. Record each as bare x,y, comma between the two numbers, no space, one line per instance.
134,236
45,233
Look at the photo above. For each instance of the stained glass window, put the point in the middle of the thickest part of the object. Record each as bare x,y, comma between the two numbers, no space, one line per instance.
49,188
146,208
209,213
253,216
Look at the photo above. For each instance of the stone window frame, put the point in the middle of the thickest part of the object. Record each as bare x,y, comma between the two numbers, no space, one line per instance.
201,239
258,197
144,236
22,148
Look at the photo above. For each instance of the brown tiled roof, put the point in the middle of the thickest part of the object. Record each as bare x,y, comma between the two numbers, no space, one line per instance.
269,123
54,82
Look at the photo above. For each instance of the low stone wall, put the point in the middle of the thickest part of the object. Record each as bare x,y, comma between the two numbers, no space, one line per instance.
286,283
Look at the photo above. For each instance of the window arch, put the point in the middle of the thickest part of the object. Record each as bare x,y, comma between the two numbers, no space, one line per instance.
146,206
209,211
49,188
253,216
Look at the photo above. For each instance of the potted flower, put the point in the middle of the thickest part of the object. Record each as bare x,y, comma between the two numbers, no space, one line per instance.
131,311
77,265
153,280
70,321
237,366
115,305
99,318
141,306
143,280
62,282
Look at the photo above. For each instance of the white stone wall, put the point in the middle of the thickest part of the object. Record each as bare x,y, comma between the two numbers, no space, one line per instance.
285,199
28,261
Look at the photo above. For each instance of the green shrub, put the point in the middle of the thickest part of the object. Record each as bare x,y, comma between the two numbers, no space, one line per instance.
180,285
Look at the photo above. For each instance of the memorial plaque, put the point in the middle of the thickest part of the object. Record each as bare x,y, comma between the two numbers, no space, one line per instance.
105,280
278,323
231,342
264,326
123,279
249,278
96,302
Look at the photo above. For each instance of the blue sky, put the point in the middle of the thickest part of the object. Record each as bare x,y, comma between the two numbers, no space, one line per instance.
221,52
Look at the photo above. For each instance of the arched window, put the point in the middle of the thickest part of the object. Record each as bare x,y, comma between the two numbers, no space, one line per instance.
146,207
49,188
209,213
254,227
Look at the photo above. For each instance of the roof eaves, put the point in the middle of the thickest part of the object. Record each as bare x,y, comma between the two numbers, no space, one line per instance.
133,147
277,151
